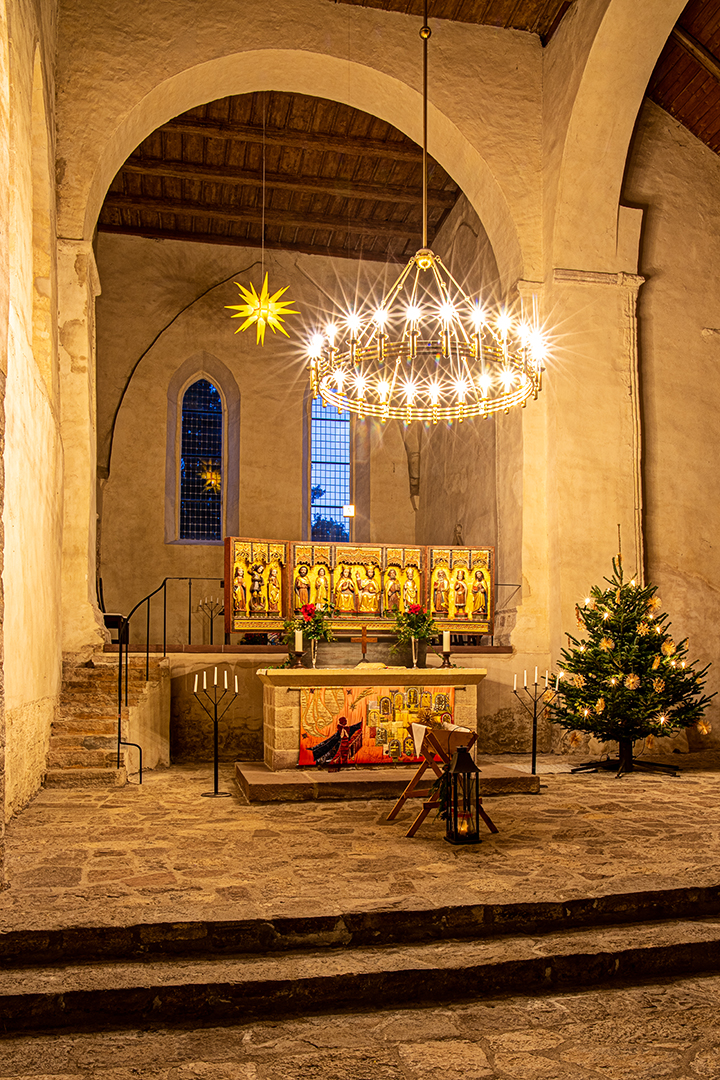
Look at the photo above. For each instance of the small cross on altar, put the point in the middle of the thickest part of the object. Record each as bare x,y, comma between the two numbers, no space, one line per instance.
364,642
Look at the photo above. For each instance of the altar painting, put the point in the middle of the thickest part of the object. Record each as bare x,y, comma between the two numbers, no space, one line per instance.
367,725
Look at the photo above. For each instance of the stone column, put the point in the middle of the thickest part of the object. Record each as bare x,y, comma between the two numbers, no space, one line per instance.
78,285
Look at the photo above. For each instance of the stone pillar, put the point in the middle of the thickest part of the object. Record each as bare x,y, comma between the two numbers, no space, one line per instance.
78,285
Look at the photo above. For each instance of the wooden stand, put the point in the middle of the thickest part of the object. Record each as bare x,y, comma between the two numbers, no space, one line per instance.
442,744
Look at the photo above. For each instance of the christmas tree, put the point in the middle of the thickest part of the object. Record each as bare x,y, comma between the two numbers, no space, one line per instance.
627,678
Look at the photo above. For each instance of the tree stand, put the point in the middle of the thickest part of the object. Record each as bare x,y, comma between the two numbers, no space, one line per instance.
625,763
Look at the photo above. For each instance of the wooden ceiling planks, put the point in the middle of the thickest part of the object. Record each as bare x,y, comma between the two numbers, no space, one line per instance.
534,16
337,180
685,81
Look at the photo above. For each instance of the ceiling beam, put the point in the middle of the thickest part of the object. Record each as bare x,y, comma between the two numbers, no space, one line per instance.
234,241
276,218
347,189
697,50
302,140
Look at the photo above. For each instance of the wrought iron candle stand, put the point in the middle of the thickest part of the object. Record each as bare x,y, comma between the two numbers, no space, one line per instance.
215,696
539,700
211,608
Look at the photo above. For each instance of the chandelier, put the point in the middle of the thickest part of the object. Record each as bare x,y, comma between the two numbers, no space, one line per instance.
427,351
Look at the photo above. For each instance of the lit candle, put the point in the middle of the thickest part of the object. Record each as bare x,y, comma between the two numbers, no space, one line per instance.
236,686
215,679
446,641
515,682
536,676
298,641
525,678
226,678
557,682
204,680
546,679
196,682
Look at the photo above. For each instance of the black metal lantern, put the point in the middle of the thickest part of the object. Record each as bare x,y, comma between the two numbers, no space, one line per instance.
463,794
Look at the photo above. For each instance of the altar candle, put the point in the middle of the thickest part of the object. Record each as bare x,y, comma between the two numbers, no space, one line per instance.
298,641
236,686
226,678
525,678
536,676
204,680
196,682
446,641
215,680
515,682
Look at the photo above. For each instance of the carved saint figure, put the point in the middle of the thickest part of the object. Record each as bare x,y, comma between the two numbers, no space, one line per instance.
321,587
273,588
410,590
480,596
368,591
239,589
302,588
345,592
461,595
393,592
257,587
441,592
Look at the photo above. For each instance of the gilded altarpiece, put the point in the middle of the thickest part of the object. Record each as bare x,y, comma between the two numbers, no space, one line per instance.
367,584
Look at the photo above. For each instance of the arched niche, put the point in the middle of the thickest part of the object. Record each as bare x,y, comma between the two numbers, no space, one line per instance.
318,75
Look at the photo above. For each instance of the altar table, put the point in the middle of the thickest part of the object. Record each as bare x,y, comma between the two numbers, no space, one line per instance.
282,691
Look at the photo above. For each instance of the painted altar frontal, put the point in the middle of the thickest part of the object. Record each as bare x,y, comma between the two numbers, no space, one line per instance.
368,725
268,581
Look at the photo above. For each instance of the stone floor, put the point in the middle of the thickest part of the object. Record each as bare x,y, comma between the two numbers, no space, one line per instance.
161,851
666,1031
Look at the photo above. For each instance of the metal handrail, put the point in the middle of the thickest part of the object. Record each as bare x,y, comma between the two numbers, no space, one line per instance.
124,637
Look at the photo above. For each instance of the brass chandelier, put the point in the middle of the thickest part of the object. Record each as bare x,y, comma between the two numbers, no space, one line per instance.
427,351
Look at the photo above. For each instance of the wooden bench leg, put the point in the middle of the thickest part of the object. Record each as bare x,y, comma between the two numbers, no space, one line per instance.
488,820
433,804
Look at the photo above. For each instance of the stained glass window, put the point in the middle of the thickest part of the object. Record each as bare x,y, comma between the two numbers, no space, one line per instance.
201,463
329,472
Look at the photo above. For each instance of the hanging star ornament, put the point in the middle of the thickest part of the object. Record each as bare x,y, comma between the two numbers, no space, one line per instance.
211,475
263,310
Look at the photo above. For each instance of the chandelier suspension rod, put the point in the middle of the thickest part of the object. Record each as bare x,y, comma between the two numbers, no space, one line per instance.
425,33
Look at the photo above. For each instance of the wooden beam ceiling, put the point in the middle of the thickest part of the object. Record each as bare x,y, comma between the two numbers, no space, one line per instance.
540,17
337,181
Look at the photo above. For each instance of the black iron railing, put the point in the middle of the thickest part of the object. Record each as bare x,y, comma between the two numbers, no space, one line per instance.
124,643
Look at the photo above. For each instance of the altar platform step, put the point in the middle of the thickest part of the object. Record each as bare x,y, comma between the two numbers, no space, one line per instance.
259,784
164,990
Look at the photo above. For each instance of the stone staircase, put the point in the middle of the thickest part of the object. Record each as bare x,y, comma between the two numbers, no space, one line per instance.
83,740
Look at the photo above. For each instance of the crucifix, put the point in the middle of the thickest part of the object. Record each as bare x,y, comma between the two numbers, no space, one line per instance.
364,642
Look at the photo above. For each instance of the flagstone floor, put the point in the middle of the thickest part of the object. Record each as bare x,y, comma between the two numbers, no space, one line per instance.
161,851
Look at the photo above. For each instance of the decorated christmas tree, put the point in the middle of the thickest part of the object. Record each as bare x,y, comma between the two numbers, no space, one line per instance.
627,678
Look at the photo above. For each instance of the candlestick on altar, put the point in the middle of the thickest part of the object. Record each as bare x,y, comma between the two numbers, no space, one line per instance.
536,701
211,701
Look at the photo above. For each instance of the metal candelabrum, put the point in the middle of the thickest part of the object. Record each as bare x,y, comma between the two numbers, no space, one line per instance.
211,699
536,701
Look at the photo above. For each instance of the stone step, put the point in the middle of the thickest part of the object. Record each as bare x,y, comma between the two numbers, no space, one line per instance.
80,758
245,986
85,777
80,725
88,740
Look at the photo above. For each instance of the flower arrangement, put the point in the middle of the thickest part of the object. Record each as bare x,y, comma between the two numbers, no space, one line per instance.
414,623
314,621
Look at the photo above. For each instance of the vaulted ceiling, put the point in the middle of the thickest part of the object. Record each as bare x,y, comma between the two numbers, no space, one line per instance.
321,177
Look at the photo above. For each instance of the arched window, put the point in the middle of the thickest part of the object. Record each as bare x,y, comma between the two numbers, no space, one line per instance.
329,472
201,463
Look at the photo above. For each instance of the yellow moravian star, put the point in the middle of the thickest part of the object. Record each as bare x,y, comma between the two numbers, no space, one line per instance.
264,310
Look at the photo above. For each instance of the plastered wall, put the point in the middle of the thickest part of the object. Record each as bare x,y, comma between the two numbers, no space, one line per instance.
32,513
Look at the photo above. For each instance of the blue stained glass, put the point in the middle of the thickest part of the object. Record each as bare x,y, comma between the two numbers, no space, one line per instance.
201,463
329,472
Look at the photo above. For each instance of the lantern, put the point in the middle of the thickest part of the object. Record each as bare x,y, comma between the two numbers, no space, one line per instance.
463,808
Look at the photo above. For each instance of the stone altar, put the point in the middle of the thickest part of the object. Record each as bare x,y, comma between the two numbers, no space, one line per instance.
281,698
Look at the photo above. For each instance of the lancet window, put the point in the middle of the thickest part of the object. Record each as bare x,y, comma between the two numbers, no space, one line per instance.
201,463
330,447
